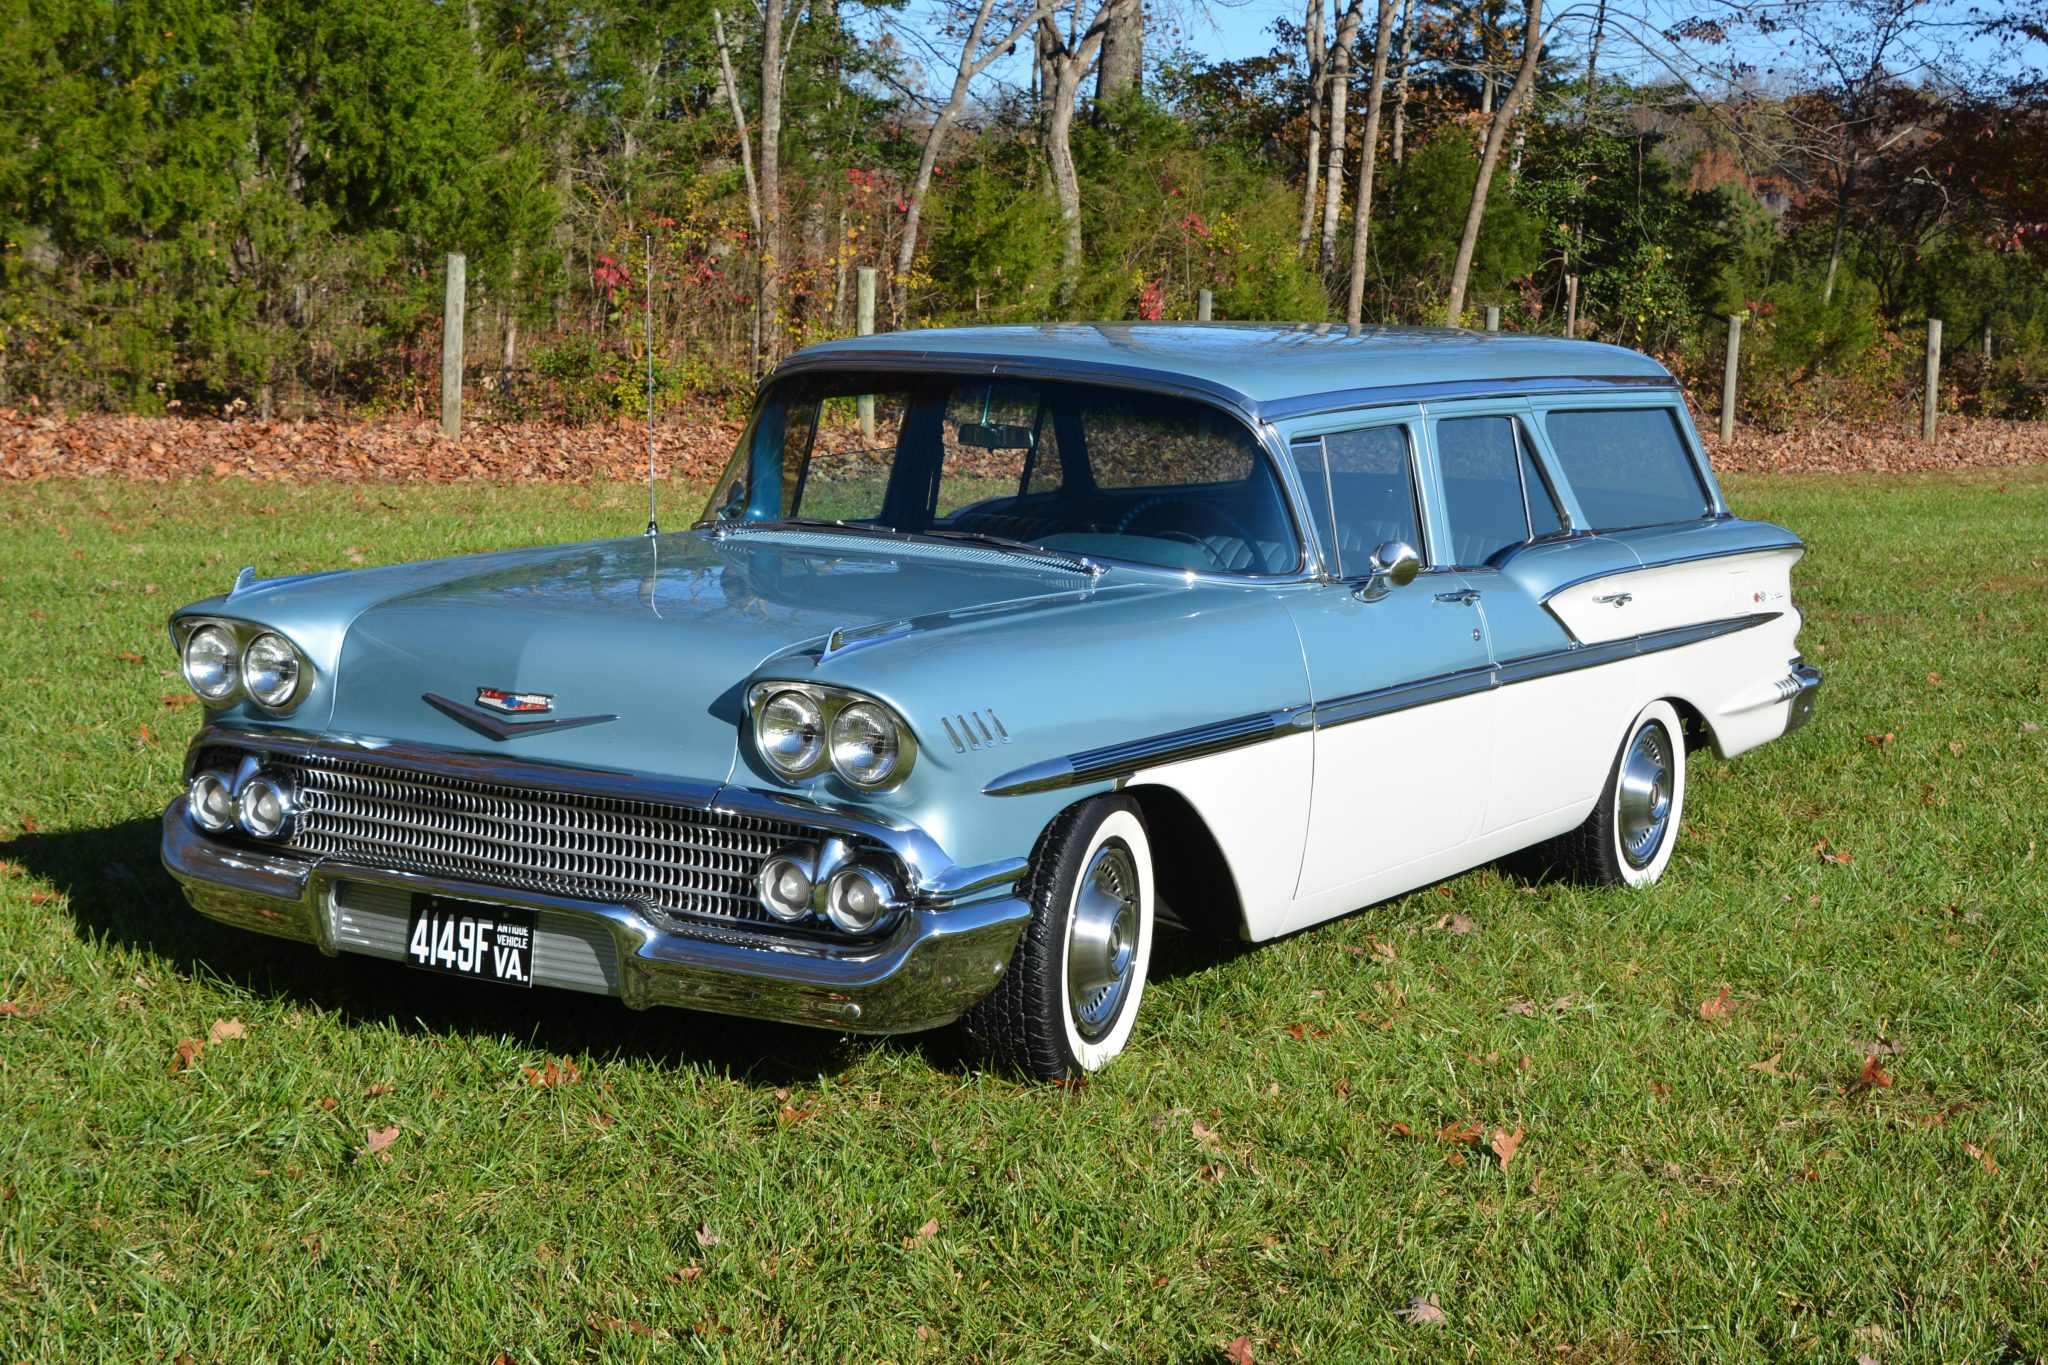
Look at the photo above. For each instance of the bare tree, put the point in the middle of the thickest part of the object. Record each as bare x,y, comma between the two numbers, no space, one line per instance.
1340,91
1122,66
1316,40
1489,157
1401,81
1368,157
1065,56
976,56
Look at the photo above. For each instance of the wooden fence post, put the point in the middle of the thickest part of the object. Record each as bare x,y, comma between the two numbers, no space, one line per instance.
1930,401
1728,376
1205,306
451,345
864,324
1493,317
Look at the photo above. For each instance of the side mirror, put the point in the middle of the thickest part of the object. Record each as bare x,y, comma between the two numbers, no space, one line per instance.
1394,565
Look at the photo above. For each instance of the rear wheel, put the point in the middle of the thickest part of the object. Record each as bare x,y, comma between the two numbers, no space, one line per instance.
1070,997
1627,840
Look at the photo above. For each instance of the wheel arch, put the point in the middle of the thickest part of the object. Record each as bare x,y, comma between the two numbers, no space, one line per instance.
1194,885
1699,731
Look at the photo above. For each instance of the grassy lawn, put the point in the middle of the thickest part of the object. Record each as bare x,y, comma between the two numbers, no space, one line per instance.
1851,1162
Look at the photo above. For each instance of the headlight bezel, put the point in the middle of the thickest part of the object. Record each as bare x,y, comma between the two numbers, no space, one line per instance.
300,668
829,702
242,637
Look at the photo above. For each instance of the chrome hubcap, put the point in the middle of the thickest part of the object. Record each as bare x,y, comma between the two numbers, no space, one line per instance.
1102,940
1643,812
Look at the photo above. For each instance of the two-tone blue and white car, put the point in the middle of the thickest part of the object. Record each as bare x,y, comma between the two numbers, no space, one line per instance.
996,651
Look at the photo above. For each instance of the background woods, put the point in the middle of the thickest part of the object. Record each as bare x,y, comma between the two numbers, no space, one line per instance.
228,209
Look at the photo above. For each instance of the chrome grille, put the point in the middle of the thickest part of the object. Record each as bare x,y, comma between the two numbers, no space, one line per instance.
672,859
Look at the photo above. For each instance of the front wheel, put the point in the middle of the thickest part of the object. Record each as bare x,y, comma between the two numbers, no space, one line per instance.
1068,1001
1627,840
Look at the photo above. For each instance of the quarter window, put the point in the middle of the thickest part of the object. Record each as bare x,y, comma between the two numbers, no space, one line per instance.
1361,487
1627,466
1494,494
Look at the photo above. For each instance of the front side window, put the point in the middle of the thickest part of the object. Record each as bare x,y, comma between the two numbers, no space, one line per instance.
1494,495
1361,488
1076,468
1628,467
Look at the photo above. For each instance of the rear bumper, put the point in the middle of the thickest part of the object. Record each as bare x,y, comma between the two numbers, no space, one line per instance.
934,965
1807,679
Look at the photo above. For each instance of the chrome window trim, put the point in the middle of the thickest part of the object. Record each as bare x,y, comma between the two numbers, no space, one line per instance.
1317,405
1119,762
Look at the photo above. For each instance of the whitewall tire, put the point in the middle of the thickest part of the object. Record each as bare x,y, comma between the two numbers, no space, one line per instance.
1628,838
1070,998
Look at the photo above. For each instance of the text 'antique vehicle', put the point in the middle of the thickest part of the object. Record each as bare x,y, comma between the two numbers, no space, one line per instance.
995,651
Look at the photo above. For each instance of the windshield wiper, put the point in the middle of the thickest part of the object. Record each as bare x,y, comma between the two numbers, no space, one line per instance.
1068,558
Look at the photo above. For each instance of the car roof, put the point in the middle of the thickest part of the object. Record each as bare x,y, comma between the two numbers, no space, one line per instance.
1270,370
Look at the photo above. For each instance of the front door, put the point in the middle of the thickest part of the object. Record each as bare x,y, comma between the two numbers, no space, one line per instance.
1401,679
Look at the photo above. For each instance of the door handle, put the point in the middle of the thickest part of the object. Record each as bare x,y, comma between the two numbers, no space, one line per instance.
1463,596
1616,599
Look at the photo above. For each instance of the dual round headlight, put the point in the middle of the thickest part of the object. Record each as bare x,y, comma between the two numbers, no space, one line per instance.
269,669
263,806
801,732
856,897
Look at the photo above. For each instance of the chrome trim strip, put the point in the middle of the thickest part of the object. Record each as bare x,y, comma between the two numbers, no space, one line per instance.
1731,553
1808,680
1176,746
1120,761
483,722
1314,405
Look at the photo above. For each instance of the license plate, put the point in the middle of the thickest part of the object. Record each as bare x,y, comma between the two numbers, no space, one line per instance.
463,938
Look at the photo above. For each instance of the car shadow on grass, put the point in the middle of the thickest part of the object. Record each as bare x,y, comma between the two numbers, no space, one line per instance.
119,895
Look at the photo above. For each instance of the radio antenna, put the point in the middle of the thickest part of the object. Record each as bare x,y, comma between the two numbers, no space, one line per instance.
653,527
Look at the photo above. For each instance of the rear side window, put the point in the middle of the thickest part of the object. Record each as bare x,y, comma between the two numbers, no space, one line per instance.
1494,495
1628,466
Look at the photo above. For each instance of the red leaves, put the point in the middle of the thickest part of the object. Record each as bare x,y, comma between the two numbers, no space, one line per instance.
187,1055
1885,447
1717,1010
551,1074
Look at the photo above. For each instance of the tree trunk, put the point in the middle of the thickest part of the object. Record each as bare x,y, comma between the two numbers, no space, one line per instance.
1401,83
1496,137
1368,158
1316,40
1827,293
769,302
1340,93
1066,182
1122,67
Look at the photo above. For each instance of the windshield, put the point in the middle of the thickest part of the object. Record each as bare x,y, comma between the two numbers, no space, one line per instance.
1074,468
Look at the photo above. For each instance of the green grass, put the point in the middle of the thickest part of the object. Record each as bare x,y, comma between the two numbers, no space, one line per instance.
1670,1200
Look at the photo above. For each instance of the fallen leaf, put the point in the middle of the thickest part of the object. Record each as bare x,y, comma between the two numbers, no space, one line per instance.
187,1055
127,657
1717,1009
1459,923
377,1139
1239,1351
1880,740
1983,1157
11,1010
1506,1144
1383,951
1454,1158
40,897
1204,1135
177,701
1934,677
1872,1077
225,1029
686,1274
1522,1007
378,1090
924,1234
1423,1312
706,1237
551,1073
2028,727
1460,1131
1399,1129
1768,1066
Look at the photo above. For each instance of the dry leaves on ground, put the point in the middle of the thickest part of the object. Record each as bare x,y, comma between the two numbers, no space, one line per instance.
1718,1009
552,1073
1423,1311
376,1140
224,1030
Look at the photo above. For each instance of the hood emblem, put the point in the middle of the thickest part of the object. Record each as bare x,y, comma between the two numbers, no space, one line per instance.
523,704
515,703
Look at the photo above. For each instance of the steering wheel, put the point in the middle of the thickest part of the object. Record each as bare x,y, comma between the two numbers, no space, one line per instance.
1215,515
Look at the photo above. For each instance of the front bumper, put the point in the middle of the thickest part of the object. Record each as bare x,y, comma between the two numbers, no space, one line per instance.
926,973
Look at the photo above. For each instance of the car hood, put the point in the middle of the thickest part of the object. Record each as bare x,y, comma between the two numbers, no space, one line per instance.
662,633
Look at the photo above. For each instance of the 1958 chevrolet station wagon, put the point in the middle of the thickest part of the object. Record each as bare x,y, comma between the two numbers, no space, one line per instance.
994,651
